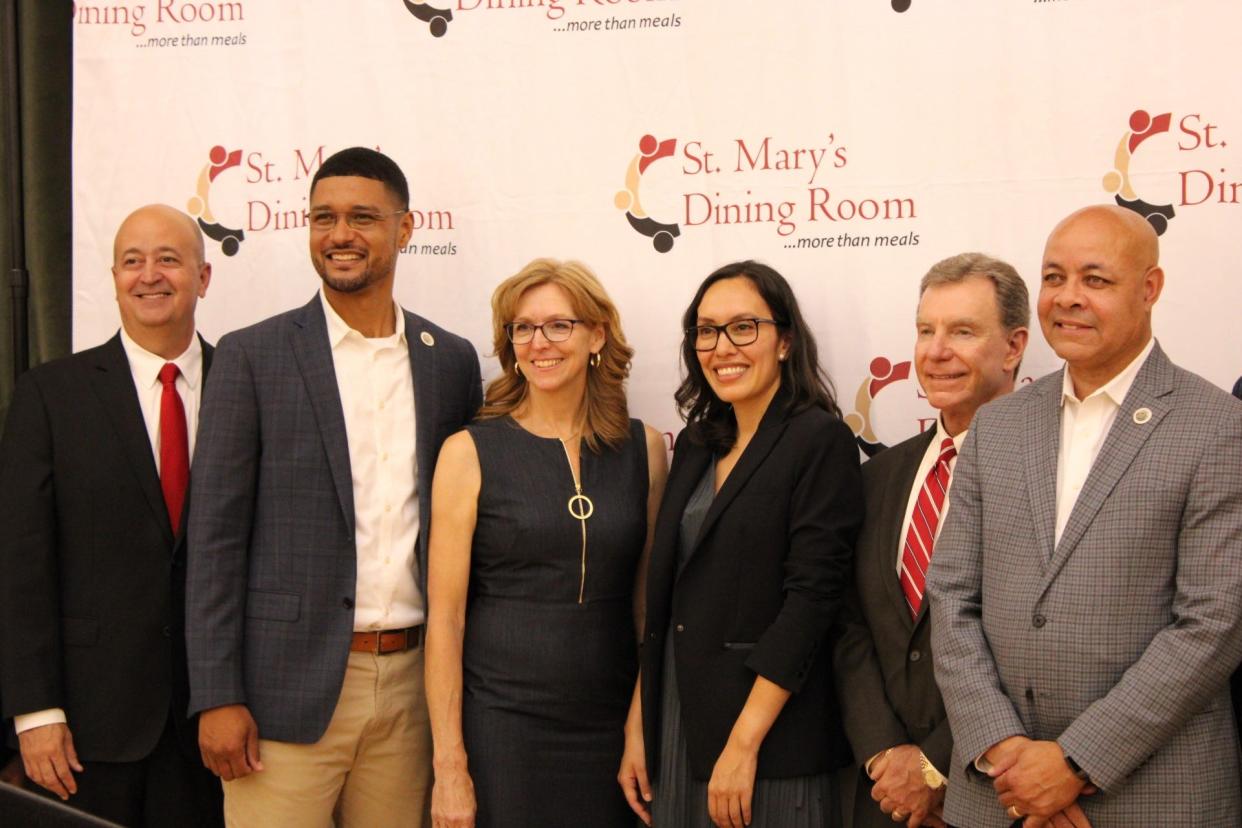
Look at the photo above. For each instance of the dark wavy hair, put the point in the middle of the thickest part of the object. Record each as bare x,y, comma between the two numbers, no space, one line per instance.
709,420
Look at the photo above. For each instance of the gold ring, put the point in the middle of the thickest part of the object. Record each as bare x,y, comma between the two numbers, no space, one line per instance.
1014,812
898,816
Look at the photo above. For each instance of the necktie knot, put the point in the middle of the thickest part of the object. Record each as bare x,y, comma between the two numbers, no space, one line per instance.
169,373
947,450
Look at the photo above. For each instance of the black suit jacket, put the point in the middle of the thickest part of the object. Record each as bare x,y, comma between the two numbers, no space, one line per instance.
760,592
884,667
92,593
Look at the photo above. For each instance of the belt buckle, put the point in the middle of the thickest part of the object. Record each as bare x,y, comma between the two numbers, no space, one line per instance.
404,644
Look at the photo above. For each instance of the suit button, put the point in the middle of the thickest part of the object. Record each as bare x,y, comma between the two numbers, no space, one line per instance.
1030,694
680,628
651,636
915,655
347,602
1038,621
167,631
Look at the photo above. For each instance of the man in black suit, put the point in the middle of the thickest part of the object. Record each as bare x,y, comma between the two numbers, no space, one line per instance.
971,333
94,466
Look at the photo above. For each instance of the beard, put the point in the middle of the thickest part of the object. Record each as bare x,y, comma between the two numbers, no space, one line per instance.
373,273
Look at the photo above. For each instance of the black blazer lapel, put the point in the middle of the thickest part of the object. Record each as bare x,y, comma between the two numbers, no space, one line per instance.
770,429
113,382
313,353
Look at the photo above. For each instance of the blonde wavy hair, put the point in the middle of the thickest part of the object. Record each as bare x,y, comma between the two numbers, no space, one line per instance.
605,417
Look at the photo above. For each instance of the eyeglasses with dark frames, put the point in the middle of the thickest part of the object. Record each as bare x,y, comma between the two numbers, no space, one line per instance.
739,332
325,220
554,330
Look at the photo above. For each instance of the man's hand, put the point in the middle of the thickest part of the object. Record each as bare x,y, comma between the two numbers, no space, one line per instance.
50,759
1036,780
1071,817
901,790
228,739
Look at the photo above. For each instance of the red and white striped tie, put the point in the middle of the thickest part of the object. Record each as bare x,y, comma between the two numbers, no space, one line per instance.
916,554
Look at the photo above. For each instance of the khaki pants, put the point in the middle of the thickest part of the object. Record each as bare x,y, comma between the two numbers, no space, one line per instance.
371,769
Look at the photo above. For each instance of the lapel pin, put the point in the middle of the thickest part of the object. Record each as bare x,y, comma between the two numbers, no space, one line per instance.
1142,415
430,340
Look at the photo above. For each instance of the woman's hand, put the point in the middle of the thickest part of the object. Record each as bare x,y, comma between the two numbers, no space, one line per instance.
732,786
452,800
633,775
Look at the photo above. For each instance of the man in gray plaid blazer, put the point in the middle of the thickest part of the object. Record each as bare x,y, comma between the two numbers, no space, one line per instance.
308,541
1087,586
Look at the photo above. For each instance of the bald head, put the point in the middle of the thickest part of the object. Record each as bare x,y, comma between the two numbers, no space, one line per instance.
160,274
1101,279
1133,233
172,218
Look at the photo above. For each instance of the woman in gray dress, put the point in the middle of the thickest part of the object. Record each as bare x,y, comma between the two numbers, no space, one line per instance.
735,722
539,526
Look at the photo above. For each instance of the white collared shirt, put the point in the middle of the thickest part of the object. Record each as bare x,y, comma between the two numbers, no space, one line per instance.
376,385
144,367
1084,427
929,458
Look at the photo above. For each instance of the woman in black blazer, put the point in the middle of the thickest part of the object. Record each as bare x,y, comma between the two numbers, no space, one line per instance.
733,720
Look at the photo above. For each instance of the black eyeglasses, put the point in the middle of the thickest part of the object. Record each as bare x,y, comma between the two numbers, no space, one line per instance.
739,331
554,330
325,220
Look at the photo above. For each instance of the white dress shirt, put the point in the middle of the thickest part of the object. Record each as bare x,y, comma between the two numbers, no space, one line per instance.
375,381
929,458
145,368
1084,427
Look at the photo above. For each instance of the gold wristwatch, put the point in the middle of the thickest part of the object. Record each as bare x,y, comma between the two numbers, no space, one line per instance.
933,778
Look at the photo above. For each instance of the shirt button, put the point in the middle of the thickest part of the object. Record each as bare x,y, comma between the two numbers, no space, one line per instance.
385,560
347,603
384,456
387,508
681,628
381,405
1038,621
915,655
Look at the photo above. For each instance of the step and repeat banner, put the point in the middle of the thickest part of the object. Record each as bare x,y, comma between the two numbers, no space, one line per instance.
848,143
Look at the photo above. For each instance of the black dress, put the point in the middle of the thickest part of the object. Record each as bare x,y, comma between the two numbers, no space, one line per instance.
550,657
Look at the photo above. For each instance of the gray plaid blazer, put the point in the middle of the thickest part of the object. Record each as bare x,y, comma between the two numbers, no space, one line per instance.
271,556
1117,642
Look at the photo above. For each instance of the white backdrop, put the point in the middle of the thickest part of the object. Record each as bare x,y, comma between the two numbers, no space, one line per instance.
905,130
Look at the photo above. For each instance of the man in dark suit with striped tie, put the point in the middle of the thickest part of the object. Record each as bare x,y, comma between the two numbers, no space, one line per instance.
971,331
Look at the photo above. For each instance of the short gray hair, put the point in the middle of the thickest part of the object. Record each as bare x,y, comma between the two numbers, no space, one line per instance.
1012,298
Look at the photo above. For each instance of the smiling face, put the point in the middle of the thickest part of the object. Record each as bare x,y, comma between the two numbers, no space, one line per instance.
1100,281
159,275
551,367
741,375
963,355
350,260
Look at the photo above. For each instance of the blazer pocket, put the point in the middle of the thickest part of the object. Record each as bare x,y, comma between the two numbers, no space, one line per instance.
273,606
739,645
79,632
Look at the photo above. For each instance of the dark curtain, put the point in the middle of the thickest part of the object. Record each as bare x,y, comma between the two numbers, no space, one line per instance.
41,111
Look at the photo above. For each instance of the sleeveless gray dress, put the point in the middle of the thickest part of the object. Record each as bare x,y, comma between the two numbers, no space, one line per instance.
680,800
550,652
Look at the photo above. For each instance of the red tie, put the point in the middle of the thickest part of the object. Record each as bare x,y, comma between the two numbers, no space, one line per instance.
916,555
174,446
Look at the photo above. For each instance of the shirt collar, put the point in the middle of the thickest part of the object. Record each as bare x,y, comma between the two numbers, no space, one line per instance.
338,328
1116,388
942,432
146,366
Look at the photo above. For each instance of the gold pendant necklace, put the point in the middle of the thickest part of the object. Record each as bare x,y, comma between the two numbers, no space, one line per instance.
581,507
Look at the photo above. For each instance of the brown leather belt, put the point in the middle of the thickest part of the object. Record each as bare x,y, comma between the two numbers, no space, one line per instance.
383,642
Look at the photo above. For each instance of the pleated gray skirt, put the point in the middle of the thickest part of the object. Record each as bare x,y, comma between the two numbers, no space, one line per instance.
680,800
